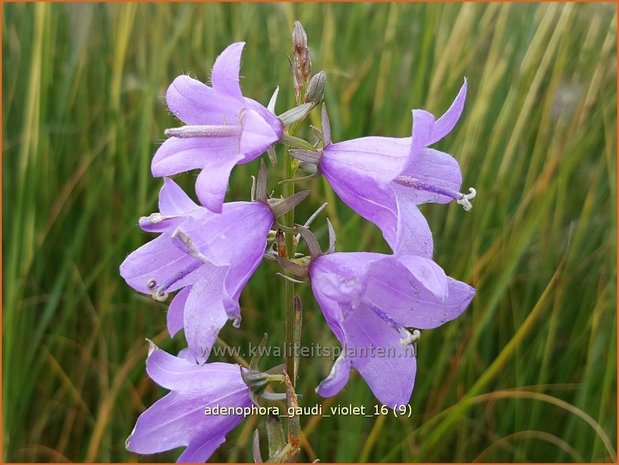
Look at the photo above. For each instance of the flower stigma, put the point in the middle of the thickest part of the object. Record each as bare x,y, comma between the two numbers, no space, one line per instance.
459,197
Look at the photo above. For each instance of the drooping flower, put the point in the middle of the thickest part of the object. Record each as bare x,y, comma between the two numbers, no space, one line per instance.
371,301
208,256
179,419
384,178
223,129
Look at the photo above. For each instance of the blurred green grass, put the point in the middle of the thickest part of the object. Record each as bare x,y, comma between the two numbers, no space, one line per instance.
527,374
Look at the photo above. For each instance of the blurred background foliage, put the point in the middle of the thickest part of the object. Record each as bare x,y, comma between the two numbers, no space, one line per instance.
527,374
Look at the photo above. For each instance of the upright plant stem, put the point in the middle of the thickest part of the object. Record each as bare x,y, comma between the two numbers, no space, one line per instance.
291,351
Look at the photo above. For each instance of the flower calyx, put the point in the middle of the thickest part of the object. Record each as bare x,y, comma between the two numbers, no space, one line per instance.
257,381
278,206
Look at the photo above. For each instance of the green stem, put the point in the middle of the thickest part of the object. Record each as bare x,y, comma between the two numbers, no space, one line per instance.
292,320
291,352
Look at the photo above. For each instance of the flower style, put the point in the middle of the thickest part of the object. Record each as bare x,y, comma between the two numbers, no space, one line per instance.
223,129
208,256
384,178
370,301
179,418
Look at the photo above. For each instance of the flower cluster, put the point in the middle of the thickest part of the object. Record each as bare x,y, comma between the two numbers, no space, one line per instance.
206,253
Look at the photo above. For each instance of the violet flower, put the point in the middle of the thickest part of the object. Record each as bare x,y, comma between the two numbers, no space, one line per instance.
223,129
179,418
208,256
384,178
370,301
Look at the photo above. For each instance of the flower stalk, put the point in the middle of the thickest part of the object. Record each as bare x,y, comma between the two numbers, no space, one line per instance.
205,253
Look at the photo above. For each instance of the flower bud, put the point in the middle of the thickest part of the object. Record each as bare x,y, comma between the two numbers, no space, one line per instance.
301,62
299,37
316,88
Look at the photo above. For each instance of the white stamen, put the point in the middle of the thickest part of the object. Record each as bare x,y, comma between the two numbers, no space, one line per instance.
153,218
203,130
465,200
159,295
410,337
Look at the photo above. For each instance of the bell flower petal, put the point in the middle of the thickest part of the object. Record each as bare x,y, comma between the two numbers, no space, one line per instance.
369,302
176,311
437,170
445,124
380,158
209,257
159,264
212,182
223,129
403,226
174,205
384,179
179,419
193,102
337,379
225,75
385,364
204,314
173,201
